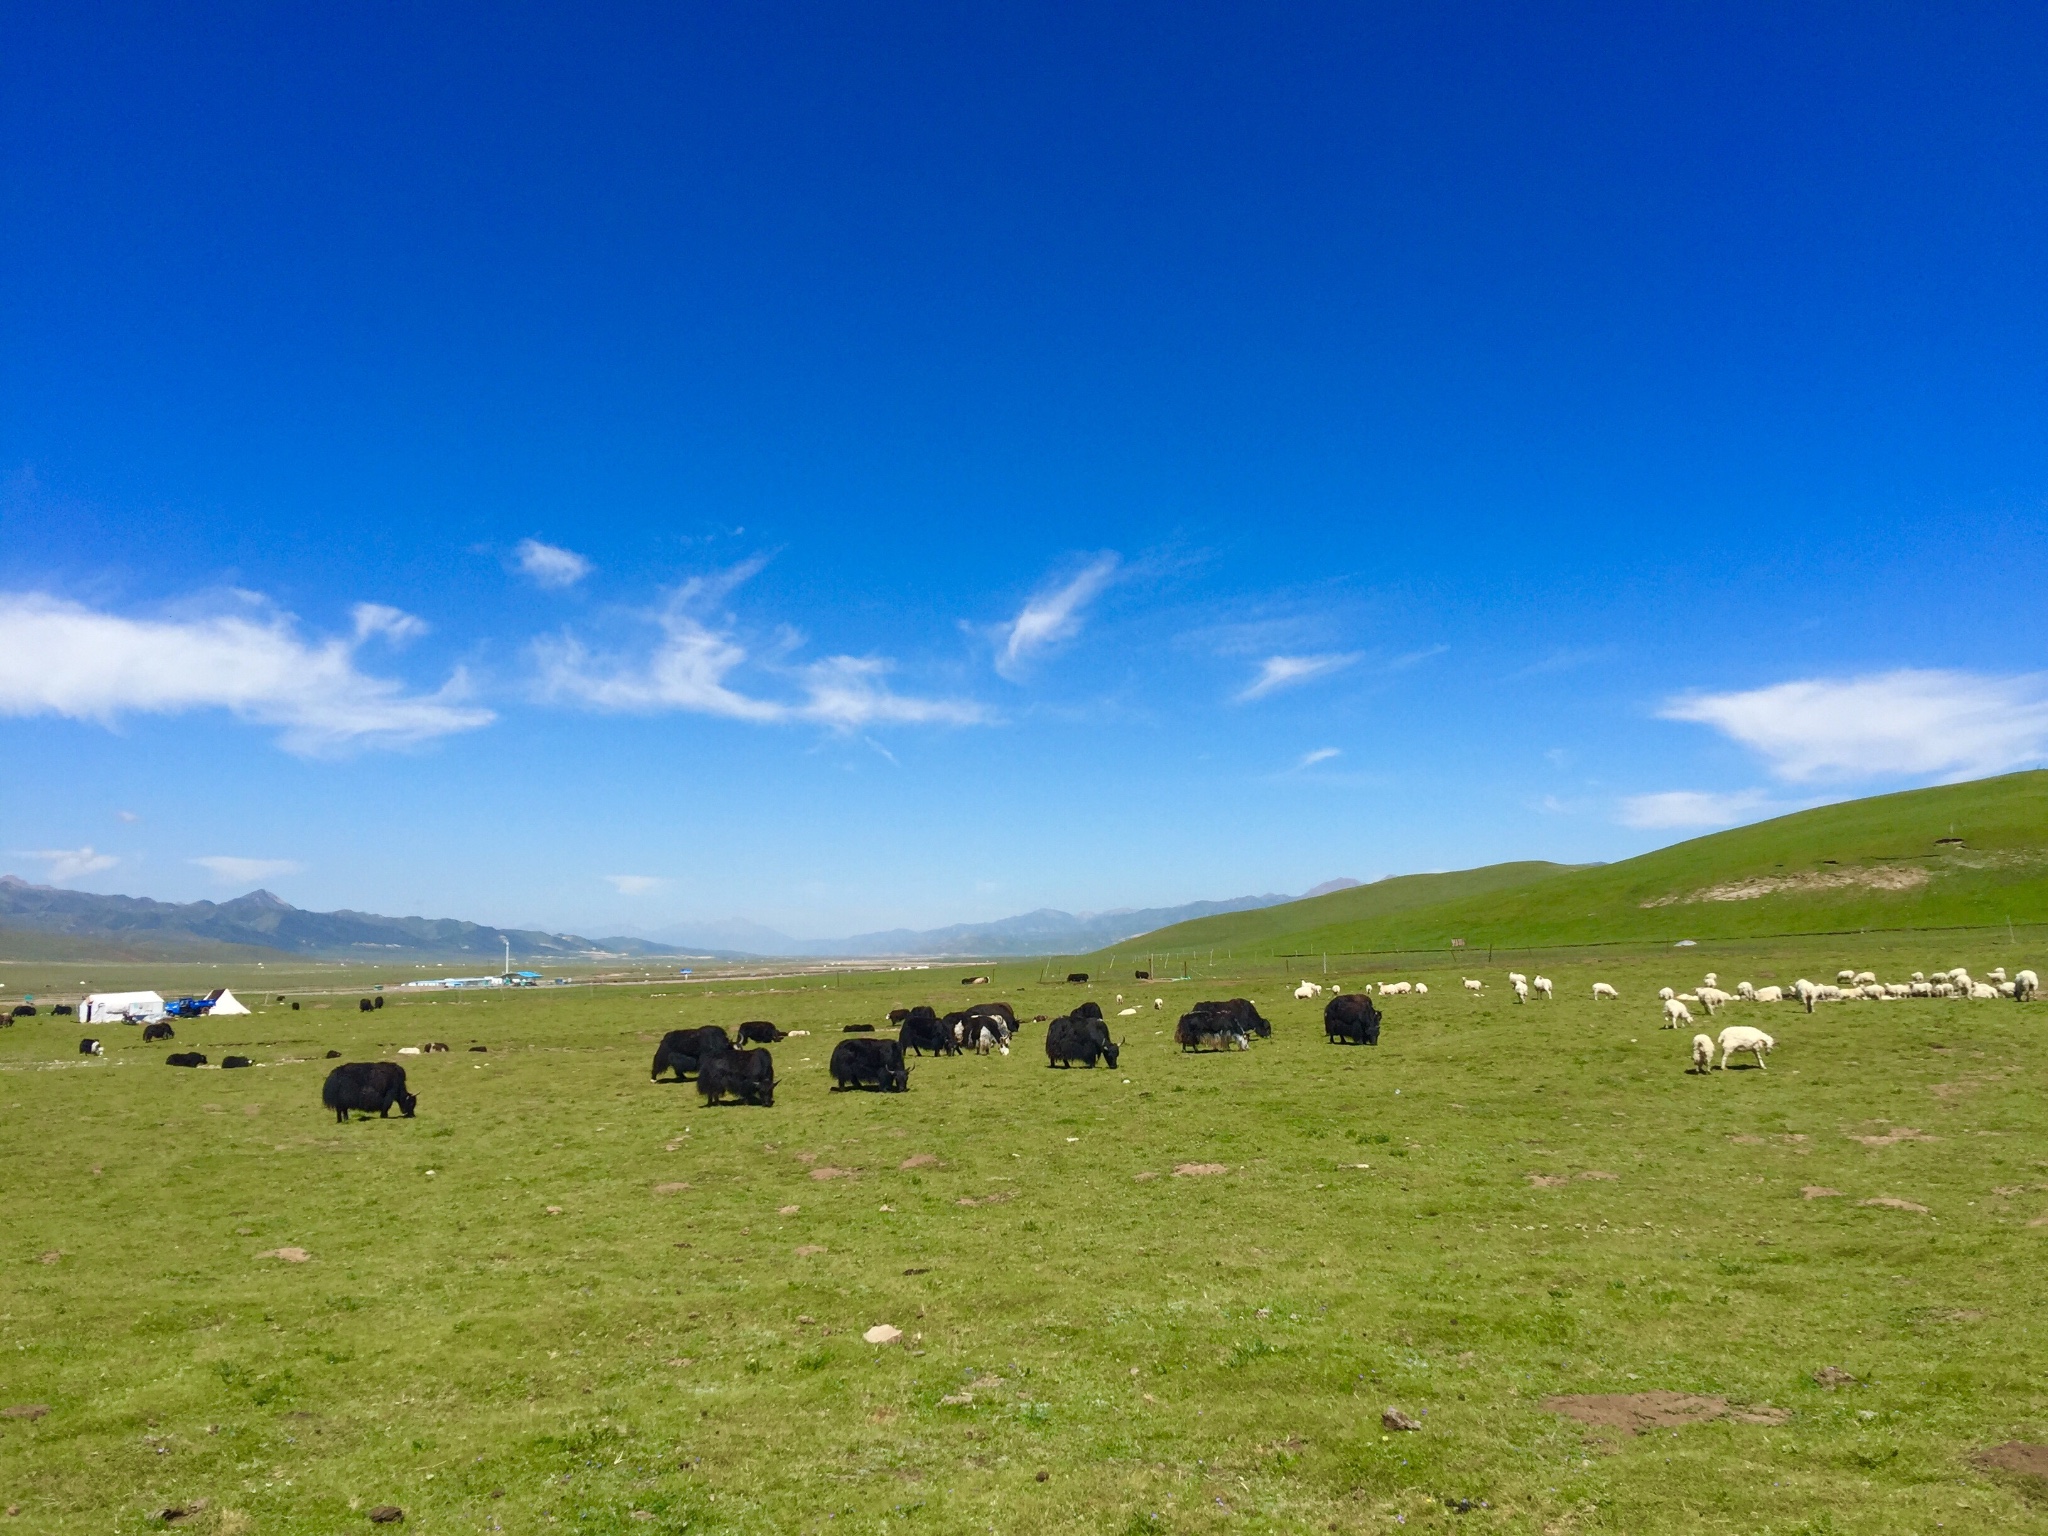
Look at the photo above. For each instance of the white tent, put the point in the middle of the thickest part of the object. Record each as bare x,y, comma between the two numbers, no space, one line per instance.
107,1007
221,1002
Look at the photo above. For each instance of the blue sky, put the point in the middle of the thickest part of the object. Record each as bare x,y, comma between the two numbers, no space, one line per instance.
855,466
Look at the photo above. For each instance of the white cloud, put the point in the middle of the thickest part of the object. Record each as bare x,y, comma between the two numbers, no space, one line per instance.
689,668
549,565
1278,672
636,885
1692,808
1320,755
234,871
1052,616
1912,723
71,863
62,658
394,624
126,816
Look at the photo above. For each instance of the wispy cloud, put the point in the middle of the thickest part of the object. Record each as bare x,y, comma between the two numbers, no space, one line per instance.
550,565
1912,723
1693,808
1278,672
636,885
233,871
128,816
1053,615
1320,755
62,658
691,666
394,624
1565,659
70,863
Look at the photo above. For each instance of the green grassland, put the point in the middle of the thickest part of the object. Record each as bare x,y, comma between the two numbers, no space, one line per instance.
1958,856
566,1299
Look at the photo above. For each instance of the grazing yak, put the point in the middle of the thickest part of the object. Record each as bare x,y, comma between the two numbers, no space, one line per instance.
924,1032
870,1064
91,1047
364,1005
235,1061
896,1016
1079,977
185,1059
158,1032
1350,1018
681,1050
1235,1017
761,1032
858,1029
369,1086
749,1076
1079,1037
973,981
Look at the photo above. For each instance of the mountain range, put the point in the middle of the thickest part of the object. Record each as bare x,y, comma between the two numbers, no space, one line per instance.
262,920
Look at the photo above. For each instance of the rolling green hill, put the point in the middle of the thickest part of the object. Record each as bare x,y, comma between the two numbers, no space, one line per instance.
1958,856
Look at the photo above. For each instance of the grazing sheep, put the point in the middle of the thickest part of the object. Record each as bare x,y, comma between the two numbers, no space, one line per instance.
1601,989
1922,989
1745,991
1898,989
1676,1013
2025,985
1944,989
2008,989
1919,976
1474,986
1542,984
1808,992
1521,990
1711,979
1702,1055
1665,994
1844,978
1714,998
1768,995
1395,988
1514,976
1740,1037
1996,973
1307,990
1983,990
1422,989
1865,978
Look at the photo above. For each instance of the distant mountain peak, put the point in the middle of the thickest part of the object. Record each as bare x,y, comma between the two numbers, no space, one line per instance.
1341,883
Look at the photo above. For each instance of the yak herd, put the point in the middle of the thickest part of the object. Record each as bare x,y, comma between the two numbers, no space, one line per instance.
724,1069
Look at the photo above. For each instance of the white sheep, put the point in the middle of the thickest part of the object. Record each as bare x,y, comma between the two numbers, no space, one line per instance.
1845,978
1602,989
1808,993
1944,989
1714,998
1919,976
1675,1013
1521,990
1395,988
1983,990
1922,989
1422,989
1542,984
1474,986
1996,973
1702,1055
2008,989
1740,1037
1125,1013
1307,990
1665,994
2025,985
1711,979
1898,989
1745,991
1688,998
1768,995
1515,976
1865,978
1158,1003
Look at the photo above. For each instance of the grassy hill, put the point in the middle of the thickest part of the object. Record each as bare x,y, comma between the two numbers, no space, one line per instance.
1958,856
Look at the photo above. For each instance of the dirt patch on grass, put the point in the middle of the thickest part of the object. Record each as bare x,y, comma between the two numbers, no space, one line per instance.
829,1172
1894,1136
1547,1180
1198,1170
1638,1411
1893,1203
1000,1197
810,1250
2015,1456
921,1160
1819,1192
1904,879
1596,1173
25,1411
289,1255
670,1189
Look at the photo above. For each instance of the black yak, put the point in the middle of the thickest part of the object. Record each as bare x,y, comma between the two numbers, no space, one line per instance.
923,1032
235,1061
91,1047
681,1050
185,1059
748,1076
761,1032
1350,1018
1077,976
870,1064
369,1086
1078,1038
158,1032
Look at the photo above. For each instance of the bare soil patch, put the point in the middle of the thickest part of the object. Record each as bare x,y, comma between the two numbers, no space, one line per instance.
1638,1411
1198,1170
2015,1456
1894,1136
1893,1203
920,1160
1819,1192
829,1172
